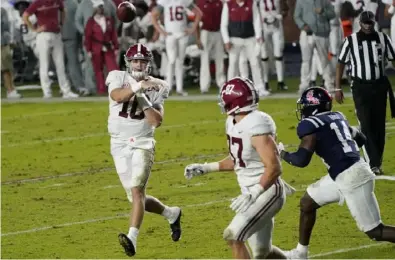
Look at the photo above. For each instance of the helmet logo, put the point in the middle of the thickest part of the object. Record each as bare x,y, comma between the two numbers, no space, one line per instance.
229,89
310,97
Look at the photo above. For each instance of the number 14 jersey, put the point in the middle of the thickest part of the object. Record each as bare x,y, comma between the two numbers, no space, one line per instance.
248,165
334,143
126,120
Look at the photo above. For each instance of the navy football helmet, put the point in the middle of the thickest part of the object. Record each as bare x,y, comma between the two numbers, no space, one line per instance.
313,101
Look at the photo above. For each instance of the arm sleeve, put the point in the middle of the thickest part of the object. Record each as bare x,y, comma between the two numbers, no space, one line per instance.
256,16
224,23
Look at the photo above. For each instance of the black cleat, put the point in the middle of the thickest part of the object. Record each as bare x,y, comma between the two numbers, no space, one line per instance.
281,86
176,228
127,244
377,171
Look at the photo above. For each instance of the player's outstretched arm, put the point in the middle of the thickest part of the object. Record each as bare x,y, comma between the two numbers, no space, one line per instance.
302,157
196,169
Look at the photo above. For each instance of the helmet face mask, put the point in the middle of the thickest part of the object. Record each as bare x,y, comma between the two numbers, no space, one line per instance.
133,59
238,95
313,101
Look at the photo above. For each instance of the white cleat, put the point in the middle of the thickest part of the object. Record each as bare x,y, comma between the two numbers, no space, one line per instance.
13,95
263,92
70,94
295,254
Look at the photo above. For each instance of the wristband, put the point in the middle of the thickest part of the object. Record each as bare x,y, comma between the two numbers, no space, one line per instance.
211,167
338,89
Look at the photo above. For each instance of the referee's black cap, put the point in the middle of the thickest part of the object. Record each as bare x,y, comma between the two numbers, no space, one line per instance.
367,17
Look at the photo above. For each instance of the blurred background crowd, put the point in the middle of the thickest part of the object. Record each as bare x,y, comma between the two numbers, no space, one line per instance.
77,48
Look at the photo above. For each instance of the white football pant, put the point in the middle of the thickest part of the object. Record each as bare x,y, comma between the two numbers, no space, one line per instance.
175,50
307,46
212,43
249,46
360,197
133,165
275,34
48,42
256,223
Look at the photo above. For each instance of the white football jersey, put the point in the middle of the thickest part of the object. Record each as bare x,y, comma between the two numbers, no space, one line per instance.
248,165
270,9
175,15
126,120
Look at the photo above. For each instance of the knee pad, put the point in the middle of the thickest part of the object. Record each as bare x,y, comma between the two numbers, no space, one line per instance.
279,58
376,234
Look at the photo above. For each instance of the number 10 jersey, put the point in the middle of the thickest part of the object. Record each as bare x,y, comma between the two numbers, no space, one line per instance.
126,120
248,165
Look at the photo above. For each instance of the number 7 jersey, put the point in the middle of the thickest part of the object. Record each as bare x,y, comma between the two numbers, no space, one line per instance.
126,120
248,165
334,143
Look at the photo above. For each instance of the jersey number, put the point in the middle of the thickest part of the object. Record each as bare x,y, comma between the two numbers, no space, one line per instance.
134,114
339,133
176,13
266,6
239,142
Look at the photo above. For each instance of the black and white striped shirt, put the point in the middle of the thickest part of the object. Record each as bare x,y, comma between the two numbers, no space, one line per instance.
367,54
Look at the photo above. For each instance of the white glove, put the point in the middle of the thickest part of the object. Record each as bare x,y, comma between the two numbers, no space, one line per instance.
150,84
245,200
194,169
143,101
197,169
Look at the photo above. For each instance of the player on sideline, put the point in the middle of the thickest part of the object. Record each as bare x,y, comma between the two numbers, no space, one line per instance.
349,178
253,155
136,109
177,33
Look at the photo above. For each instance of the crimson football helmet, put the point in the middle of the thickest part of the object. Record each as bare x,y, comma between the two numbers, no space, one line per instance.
238,95
138,52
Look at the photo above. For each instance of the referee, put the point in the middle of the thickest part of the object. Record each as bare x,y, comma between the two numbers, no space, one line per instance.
367,52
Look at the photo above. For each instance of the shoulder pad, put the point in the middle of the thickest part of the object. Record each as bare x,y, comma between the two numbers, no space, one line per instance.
262,123
307,126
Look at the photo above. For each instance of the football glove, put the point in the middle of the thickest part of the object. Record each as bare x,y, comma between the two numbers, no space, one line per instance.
245,200
281,149
194,169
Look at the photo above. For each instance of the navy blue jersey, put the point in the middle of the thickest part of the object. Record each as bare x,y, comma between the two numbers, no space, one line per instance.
334,143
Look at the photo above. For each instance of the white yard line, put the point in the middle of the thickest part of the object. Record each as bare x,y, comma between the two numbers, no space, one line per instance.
71,138
102,170
54,112
119,215
345,250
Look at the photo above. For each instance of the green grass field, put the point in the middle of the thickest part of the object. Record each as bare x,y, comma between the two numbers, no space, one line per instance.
61,197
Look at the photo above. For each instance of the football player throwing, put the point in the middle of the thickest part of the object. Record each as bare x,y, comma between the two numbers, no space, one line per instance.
136,109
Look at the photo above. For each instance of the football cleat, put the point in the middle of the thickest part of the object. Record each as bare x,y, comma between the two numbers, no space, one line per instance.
176,228
127,244
295,254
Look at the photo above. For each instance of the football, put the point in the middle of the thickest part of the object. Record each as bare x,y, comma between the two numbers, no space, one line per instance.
126,12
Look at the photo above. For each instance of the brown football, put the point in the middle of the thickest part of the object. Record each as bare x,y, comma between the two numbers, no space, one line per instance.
126,12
